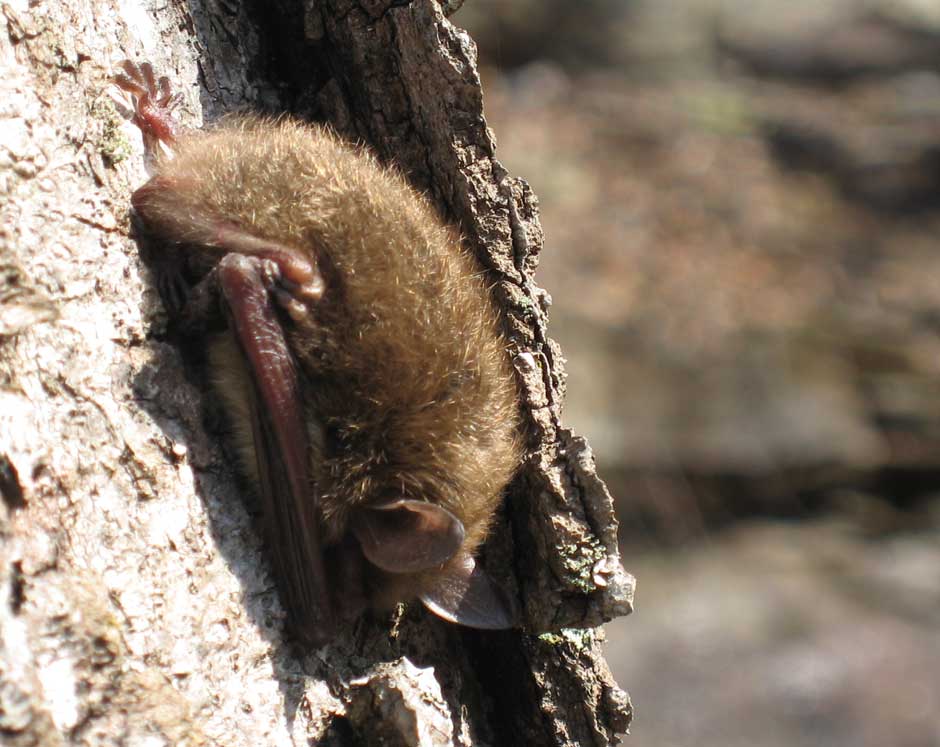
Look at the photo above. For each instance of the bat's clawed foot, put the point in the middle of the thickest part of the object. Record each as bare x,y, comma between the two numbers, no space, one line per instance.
140,81
288,274
286,293
300,278
154,100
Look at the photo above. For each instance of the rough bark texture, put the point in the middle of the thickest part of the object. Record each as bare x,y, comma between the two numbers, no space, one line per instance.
136,600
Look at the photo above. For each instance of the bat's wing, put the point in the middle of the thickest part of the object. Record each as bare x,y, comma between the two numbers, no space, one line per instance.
281,445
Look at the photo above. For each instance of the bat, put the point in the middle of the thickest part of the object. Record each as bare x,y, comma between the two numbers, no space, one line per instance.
356,349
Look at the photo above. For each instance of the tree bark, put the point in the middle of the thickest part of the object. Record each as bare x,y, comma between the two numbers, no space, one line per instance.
135,597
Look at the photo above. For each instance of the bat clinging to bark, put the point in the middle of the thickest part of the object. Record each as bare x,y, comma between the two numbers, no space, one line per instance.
360,360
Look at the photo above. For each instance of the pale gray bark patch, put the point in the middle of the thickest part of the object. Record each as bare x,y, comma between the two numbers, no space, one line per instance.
135,598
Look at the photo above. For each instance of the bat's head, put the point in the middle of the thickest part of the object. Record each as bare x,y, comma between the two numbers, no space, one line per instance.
413,489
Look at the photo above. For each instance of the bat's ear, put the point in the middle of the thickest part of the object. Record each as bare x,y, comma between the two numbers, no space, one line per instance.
407,536
465,594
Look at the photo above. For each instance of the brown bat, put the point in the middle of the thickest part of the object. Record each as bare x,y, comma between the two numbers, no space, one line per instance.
360,359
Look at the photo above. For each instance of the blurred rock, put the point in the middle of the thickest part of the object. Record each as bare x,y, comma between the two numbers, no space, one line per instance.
783,635
578,35
869,45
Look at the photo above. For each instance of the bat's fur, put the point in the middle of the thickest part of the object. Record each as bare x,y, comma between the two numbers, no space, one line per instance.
407,383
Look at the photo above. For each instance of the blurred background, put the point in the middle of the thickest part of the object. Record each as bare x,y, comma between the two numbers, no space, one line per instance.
741,204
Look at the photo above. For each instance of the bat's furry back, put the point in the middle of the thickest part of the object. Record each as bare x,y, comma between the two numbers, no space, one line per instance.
408,390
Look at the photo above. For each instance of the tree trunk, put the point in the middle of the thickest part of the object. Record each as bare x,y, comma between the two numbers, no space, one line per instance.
135,597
